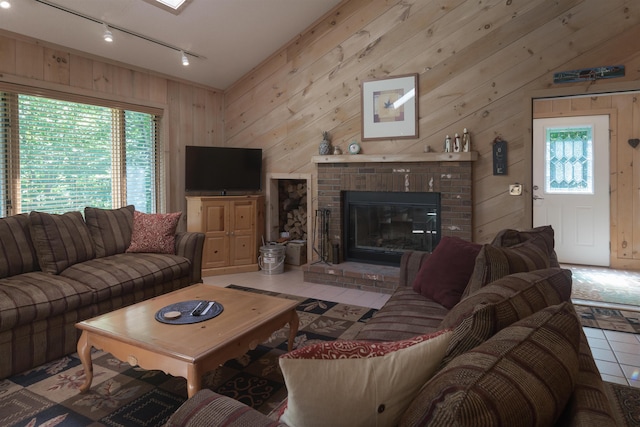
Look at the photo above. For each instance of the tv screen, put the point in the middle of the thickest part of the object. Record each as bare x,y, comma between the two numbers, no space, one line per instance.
221,169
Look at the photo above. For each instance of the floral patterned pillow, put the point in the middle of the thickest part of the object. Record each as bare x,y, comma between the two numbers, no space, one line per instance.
154,232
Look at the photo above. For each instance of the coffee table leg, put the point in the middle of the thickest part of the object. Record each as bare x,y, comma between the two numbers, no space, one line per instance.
84,352
194,380
294,323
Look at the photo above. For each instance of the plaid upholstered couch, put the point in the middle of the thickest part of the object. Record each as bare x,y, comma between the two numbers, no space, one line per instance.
516,354
56,270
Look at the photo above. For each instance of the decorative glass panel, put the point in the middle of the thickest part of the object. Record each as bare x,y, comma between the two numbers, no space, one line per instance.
569,160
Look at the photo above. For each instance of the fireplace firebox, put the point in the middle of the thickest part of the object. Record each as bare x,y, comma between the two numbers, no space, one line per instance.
379,226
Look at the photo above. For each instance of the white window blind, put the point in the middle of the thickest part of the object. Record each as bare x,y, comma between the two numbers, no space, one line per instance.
62,156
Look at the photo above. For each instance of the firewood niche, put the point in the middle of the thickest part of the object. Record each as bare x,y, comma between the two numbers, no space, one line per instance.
292,198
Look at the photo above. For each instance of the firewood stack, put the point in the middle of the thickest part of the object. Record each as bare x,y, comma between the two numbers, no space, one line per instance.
293,209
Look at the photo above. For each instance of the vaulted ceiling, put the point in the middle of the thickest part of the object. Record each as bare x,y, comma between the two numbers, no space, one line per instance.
226,37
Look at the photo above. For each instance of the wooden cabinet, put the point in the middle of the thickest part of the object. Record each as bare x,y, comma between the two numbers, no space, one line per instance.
233,228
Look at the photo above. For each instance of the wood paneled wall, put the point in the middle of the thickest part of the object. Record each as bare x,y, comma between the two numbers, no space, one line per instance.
478,64
624,164
193,115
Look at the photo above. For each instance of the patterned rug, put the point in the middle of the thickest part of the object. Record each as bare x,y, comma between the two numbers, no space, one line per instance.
600,284
125,396
608,318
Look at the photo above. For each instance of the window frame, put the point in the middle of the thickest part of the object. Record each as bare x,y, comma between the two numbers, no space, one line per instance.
11,163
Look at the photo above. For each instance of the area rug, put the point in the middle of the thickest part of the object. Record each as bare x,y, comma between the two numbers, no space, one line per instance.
605,285
126,396
609,318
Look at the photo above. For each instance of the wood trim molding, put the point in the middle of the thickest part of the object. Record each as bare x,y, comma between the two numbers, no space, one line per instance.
470,156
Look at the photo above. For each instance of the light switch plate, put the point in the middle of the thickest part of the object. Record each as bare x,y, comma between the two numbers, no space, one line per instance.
515,189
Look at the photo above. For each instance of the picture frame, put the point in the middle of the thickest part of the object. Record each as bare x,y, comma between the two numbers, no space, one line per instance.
390,108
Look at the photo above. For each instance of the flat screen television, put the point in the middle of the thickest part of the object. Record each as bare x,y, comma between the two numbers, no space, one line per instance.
222,169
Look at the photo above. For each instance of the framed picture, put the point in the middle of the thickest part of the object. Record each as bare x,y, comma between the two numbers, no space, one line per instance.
390,108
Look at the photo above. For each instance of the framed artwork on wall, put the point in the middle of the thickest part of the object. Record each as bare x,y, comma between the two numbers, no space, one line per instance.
390,108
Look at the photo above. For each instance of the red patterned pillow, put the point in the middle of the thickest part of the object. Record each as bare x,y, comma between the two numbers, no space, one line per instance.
323,379
154,232
445,274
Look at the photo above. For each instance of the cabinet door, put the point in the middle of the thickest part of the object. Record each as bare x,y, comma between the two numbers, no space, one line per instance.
216,220
242,225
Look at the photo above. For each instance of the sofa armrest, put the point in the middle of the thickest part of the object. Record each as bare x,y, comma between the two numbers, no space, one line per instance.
410,264
189,245
207,408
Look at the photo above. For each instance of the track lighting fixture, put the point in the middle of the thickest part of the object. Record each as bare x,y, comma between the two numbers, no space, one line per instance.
5,4
108,35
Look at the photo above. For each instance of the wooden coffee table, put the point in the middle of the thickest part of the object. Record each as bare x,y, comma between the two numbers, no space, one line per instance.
132,333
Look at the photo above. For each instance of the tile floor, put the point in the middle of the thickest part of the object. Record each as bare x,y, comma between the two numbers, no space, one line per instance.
617,354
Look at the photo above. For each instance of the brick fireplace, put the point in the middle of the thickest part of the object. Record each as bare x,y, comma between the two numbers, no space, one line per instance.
449,174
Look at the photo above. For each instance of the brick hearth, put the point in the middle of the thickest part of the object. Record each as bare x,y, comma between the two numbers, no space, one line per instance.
449,174
354,275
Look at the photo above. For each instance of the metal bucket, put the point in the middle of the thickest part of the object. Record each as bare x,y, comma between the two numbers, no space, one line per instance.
271,259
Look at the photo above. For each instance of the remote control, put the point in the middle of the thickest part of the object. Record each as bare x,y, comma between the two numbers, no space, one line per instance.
206,309
199,309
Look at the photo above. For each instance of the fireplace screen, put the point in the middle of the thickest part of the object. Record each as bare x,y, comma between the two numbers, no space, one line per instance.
380,226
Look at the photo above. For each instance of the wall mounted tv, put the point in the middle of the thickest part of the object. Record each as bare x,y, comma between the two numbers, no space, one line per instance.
222,169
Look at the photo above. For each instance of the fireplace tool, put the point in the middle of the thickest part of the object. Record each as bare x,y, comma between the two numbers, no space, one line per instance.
321,235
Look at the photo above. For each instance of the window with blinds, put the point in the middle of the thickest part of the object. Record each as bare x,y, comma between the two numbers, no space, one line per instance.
61,156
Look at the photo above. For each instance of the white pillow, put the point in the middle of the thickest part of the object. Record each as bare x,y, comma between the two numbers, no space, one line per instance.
358,383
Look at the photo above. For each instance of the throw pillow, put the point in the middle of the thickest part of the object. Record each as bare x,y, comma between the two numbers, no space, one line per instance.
445,274
510,237
60,240
19,255
523,376
357,383
502,303
110,229
493,262
154,232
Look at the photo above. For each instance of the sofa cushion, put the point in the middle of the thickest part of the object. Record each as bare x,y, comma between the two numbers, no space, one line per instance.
322,380
523,376
60,240
18,253
493,262
29,297
524,292
405,315
502,303
110,229
207,408
445,274
589,404
154,232
510,237
122,274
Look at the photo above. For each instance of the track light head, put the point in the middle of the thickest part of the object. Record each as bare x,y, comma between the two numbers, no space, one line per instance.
185,60
107,35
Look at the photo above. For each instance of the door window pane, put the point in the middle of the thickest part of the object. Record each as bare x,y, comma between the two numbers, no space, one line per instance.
569,160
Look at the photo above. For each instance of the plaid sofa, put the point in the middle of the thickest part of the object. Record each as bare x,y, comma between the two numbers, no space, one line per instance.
57,270
515,291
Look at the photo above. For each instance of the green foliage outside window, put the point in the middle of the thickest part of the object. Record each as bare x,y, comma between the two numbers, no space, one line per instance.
73,155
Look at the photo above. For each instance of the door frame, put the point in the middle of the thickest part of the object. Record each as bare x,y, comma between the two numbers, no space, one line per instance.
591,89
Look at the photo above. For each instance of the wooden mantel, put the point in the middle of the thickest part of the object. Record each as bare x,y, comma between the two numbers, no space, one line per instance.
397,158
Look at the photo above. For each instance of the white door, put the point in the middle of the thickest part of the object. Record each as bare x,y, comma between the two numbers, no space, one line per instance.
571,186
